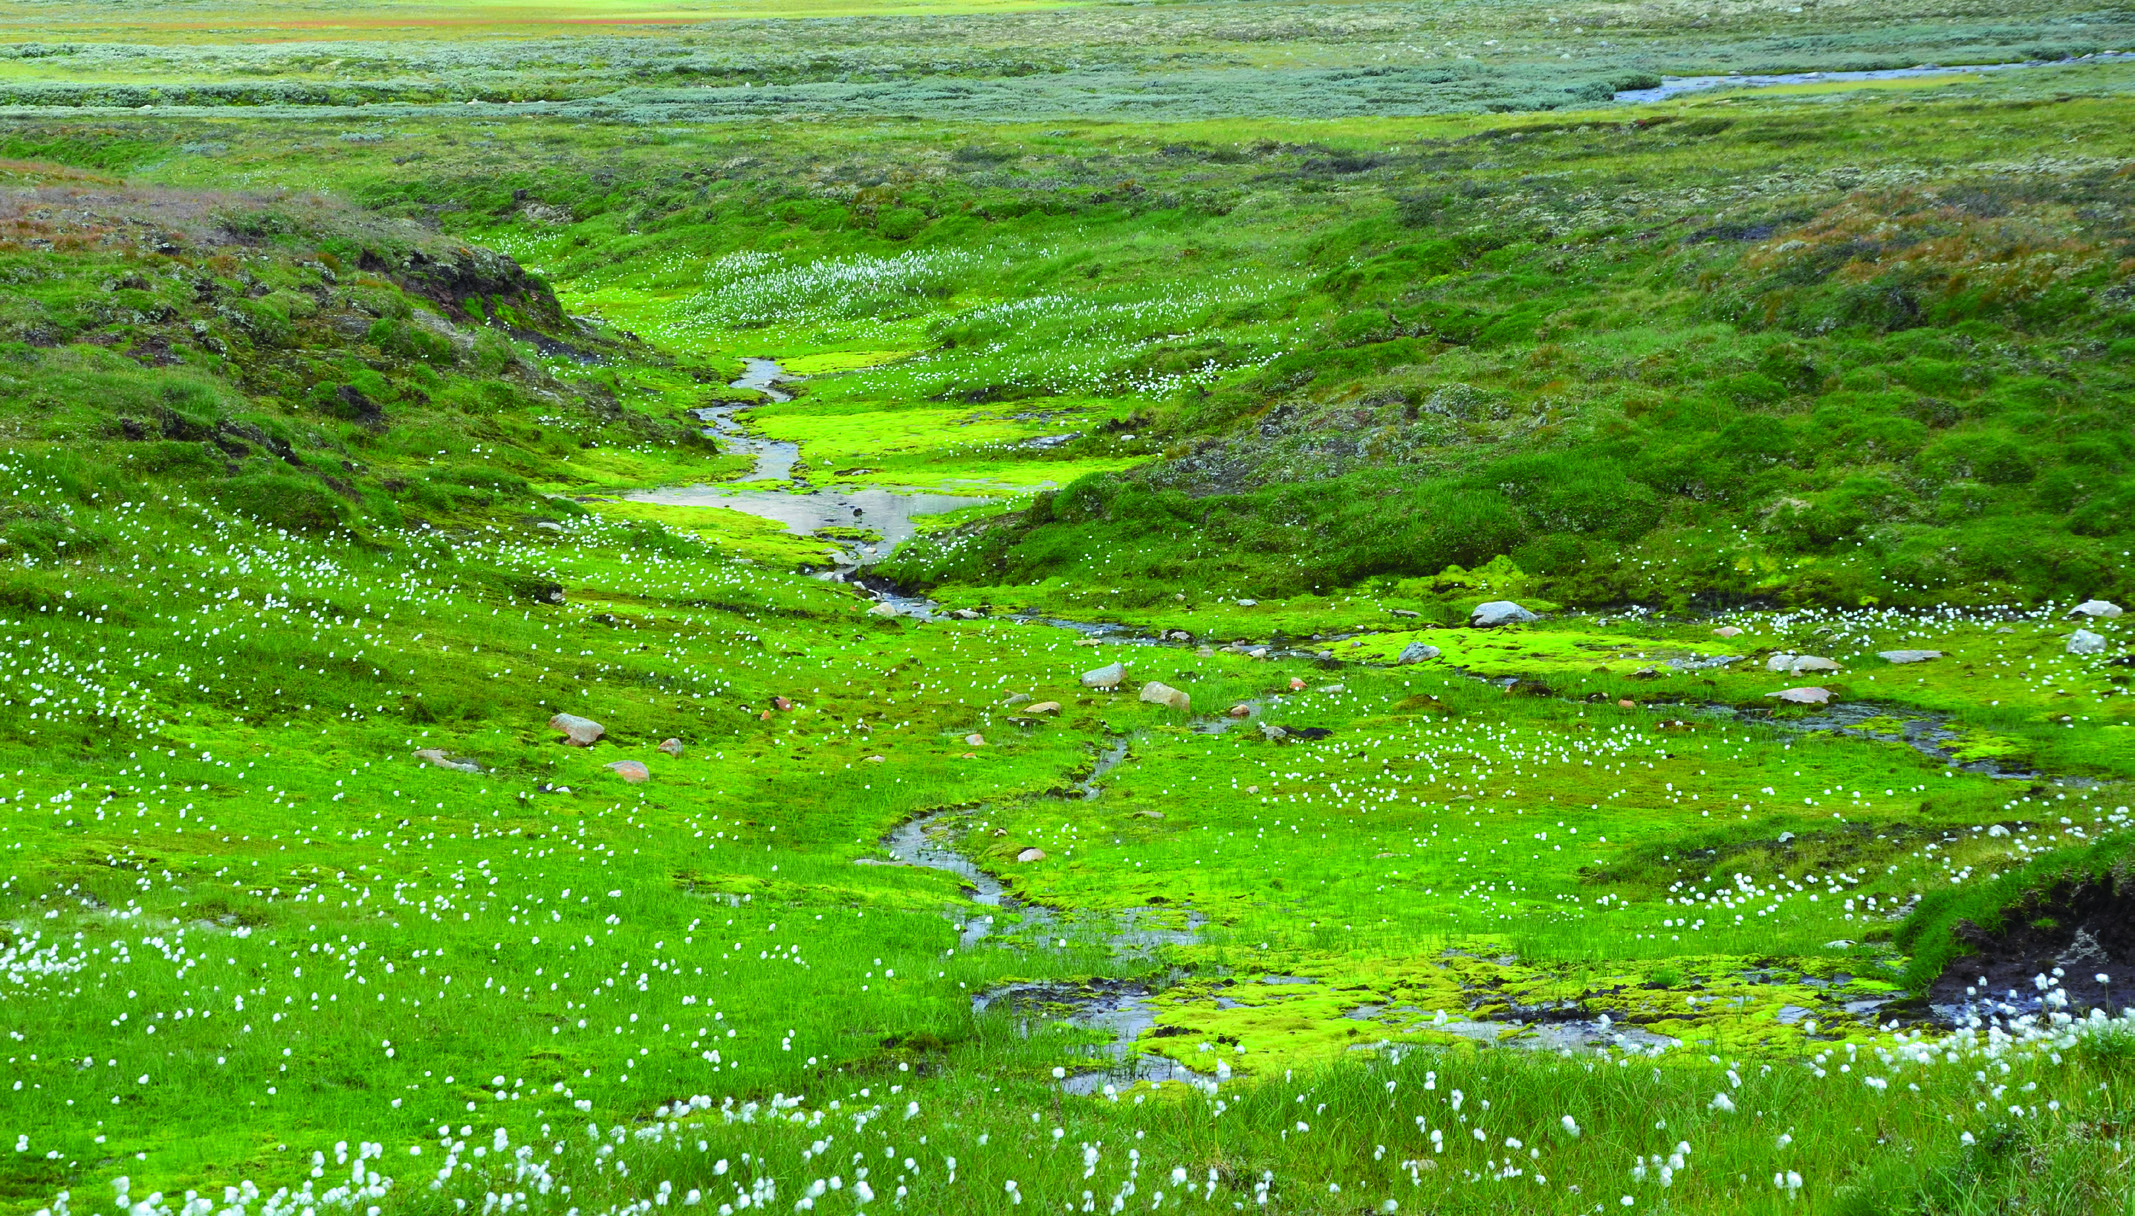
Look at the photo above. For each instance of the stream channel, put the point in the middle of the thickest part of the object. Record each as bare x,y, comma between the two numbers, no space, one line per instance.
1671,86
887,515
1121,1008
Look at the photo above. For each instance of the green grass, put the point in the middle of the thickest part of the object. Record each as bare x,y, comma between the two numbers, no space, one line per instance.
239,599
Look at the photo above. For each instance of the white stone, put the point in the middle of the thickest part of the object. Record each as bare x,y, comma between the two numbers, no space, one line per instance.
1107,676
1164,694
2083,641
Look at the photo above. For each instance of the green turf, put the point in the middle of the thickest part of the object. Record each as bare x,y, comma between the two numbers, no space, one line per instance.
301,480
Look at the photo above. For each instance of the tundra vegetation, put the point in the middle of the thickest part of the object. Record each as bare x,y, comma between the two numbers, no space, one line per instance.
417,702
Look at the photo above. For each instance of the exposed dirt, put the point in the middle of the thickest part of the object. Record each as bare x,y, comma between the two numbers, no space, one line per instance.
2086,929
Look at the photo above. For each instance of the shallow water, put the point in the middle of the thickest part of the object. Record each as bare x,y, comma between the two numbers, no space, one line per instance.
1119,1008
1671,86
889,515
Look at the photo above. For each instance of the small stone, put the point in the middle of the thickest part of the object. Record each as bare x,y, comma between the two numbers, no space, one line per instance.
1248,603
1417,652
1017,698
1803,696
631,771
874,760
1257,652
974,740
1149,814
1240,711
1499,612
968,614
1165,695
1296,685
1107,676
1179,635
672,747
1811,662
2103,610
1840,944
884,610
1031,855
1785,837
1727,631
781,704
577,731
2083,641
1273,733
440,759
1908,656
1779,662
1627,704
1046,707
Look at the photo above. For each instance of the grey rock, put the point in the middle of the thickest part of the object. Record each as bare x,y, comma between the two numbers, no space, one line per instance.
1804,696
2083,641
2103,610
631,771
577,731
1908,656
1417,652
1499,612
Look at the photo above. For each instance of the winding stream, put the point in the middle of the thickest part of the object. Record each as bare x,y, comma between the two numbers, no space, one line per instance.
874,521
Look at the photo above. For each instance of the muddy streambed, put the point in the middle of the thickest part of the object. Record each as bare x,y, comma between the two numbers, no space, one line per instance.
867,524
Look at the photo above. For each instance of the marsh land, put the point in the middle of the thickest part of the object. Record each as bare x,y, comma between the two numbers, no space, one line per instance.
956,606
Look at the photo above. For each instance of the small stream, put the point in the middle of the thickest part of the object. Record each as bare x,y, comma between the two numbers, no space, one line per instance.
867,523
1118,1007
1672,86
